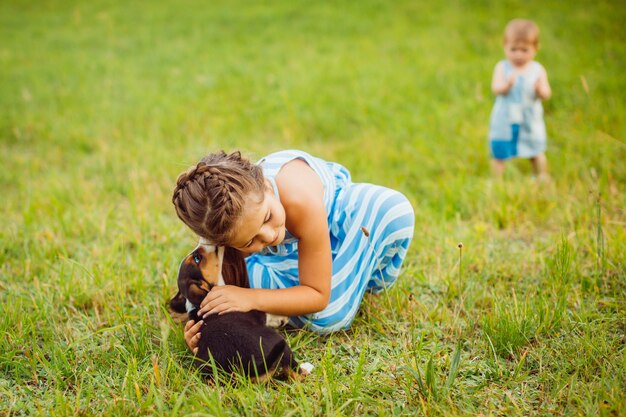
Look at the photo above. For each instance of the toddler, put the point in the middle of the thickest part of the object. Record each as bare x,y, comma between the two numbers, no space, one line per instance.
517,128
315,241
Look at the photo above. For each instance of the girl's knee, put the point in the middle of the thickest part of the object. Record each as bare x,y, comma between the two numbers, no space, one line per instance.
404,215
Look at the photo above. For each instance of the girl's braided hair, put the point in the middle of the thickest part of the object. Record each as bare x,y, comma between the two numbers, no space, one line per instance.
209,197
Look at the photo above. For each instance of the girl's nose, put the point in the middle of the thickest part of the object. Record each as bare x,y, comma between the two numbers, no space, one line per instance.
267,235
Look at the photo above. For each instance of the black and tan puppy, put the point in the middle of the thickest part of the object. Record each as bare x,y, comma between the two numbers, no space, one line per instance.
237,342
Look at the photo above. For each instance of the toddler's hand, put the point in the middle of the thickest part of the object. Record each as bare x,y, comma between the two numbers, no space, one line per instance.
192,335
226,299
539,88
511,80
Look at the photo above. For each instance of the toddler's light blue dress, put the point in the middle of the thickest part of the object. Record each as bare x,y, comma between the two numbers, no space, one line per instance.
360,262
516,128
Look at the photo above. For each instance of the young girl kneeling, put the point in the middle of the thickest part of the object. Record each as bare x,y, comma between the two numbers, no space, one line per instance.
315,240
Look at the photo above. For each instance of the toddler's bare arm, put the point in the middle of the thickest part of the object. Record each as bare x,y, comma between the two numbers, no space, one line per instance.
499,84
542,86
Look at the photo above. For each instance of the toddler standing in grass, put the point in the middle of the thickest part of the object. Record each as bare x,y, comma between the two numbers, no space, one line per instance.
315,241
516,127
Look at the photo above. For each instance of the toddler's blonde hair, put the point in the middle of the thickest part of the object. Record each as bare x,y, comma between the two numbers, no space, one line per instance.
522,30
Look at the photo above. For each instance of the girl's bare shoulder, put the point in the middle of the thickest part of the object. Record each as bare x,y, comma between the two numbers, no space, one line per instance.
302,196
298,183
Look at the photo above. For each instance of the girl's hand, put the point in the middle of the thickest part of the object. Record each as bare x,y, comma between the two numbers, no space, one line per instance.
192,335
226,299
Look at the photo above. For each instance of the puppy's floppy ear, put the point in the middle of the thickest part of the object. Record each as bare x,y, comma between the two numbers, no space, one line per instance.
177,308
177,303
234,269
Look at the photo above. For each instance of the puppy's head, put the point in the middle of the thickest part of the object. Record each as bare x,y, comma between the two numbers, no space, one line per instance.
198,273
205,267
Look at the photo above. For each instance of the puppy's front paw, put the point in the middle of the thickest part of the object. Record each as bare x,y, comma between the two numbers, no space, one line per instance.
306,368
272,320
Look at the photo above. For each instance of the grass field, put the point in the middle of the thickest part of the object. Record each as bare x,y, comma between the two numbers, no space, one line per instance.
103,103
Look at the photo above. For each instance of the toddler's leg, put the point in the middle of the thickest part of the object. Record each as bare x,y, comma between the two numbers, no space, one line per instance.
540,166
503,149
497,167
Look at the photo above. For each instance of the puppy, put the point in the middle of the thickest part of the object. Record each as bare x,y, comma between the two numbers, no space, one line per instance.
236,341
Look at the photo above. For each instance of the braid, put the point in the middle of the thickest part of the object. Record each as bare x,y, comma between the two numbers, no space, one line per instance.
209,197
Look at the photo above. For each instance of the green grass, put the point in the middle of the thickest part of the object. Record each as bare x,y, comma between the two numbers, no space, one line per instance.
103,103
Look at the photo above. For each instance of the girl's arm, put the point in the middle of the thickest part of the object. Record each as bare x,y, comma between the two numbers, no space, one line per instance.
499,84
302,196
542,86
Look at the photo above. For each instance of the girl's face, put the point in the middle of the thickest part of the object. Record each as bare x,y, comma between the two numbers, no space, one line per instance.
262,224
519,53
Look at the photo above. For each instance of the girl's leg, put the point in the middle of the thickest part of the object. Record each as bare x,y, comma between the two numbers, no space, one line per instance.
389,242
374,232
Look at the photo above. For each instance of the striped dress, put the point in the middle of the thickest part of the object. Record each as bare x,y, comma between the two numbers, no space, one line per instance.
370,230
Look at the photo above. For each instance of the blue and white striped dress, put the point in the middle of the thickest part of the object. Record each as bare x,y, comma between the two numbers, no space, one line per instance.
360,262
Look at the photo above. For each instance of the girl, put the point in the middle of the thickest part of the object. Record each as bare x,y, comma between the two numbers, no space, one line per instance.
517,127
315,241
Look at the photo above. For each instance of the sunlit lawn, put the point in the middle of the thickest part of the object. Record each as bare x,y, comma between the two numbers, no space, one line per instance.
103,103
